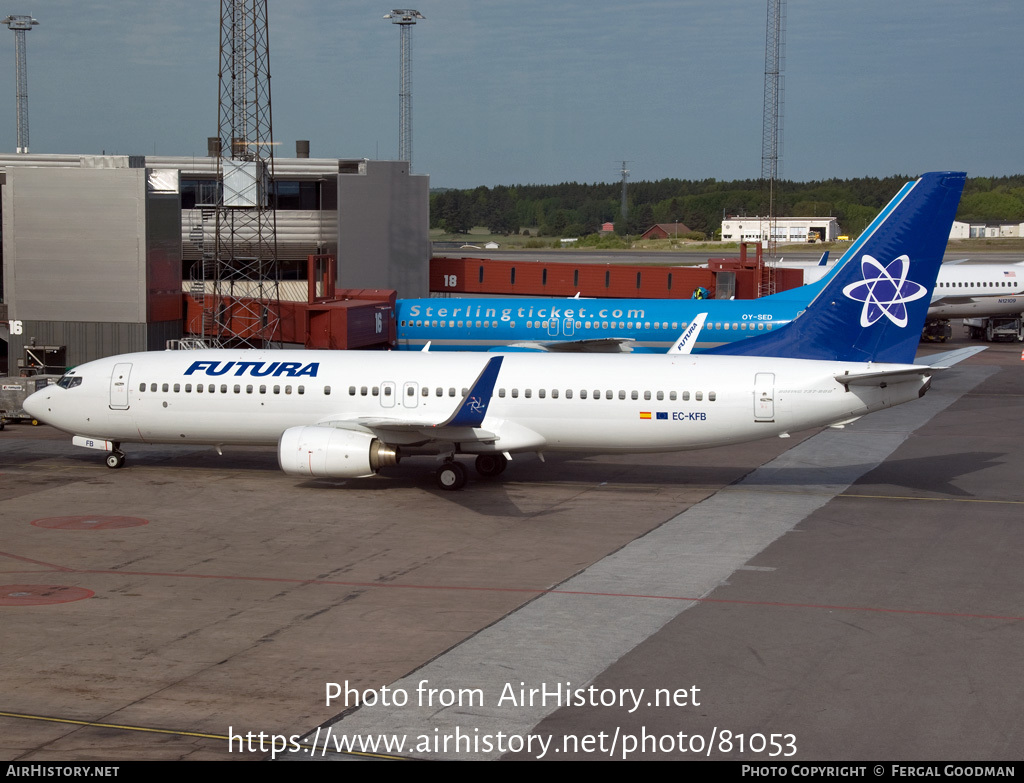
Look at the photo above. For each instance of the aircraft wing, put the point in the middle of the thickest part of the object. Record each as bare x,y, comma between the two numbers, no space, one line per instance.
463,425
410,432
596,345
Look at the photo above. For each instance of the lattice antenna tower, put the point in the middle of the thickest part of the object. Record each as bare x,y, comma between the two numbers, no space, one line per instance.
771,126
405,18
245,269
21,24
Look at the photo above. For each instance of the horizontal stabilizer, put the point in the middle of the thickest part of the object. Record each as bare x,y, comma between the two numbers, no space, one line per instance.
838,425
949,358
897,374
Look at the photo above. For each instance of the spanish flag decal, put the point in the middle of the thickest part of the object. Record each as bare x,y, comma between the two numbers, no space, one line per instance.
645,414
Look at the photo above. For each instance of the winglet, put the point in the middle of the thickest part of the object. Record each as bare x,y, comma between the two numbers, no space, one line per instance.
426,347
474,405
824,259
688,339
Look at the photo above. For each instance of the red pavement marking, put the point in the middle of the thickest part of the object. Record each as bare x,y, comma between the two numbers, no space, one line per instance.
39,595
534,591
541,591
467,588
43,563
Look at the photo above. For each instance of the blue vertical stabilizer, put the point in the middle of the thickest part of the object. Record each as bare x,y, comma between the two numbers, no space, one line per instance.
874,307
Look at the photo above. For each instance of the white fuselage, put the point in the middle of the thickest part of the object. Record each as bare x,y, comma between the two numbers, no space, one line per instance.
977,290
540,402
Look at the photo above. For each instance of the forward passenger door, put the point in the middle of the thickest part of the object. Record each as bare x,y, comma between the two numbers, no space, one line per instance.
119,379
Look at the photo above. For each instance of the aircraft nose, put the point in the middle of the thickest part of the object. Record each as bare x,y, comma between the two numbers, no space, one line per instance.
35,404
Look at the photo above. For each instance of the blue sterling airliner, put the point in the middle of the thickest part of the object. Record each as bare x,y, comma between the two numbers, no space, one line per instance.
609,325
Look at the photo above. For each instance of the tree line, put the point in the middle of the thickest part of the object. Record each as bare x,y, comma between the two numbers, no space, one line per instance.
578,209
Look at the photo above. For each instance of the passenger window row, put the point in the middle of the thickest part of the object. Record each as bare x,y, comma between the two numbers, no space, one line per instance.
990,284
388,390
410,391
626,325
607,394
224,388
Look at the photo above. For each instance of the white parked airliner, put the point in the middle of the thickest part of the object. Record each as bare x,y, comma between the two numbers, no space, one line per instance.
348,414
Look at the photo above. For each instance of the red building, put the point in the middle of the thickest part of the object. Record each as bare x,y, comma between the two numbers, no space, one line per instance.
665,231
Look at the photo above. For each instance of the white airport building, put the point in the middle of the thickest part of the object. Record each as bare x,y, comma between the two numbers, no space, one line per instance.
787,230
985,230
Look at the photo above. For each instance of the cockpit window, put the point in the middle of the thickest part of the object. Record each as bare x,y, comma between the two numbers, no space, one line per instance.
70,381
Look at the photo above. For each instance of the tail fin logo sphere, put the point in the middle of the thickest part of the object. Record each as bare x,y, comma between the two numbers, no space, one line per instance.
884,291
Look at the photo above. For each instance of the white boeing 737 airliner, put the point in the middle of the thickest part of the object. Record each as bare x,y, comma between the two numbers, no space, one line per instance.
347,414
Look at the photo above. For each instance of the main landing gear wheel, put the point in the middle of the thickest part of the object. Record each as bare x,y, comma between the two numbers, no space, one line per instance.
451,476
115,459
491,465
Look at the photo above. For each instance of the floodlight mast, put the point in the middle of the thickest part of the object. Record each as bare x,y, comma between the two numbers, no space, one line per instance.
405,18
243,306
771,127
771,130
20,24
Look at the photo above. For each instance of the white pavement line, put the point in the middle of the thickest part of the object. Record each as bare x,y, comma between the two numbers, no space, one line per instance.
559,639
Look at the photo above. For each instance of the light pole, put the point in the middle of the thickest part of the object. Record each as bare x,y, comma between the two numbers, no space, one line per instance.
21,24
405,18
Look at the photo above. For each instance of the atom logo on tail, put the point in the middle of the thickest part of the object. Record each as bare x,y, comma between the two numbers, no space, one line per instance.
884,291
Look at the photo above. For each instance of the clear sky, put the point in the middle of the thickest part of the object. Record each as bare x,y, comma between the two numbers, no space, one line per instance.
520,91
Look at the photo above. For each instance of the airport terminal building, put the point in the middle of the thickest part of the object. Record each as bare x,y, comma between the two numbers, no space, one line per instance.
96,248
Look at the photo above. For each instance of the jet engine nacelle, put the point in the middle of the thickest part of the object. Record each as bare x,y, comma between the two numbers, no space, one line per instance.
326,452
